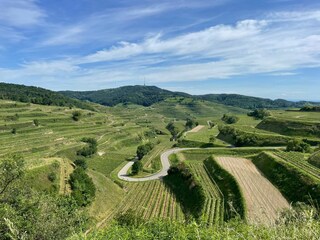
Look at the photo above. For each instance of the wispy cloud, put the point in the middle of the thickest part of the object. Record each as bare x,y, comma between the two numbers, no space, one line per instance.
20,13
106,24
277,44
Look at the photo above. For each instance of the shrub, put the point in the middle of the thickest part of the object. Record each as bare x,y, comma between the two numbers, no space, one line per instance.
14,131
187,189
142,150
90,149
76,115
173,130
191,123
80,162
136,167
240,138
259,113
83,189
36,122
297,146
229,119
52,176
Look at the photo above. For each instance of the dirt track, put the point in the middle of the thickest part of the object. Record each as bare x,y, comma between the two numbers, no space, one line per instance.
196,129
263,200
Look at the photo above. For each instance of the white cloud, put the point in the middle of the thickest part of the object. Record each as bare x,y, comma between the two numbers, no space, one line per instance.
20,13
278,45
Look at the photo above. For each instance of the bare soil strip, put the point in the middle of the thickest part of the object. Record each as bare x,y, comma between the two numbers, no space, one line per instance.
196,129
263,200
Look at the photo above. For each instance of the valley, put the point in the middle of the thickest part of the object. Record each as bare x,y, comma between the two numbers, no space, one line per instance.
191,158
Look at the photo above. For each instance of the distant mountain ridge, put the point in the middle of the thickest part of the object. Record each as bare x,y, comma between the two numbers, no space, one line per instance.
141,95
36,95
148,95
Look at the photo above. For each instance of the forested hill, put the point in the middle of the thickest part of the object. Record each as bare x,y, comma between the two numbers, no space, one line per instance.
141,95
38,95
148,95
252,102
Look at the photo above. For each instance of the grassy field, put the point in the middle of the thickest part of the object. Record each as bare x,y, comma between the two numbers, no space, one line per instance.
47,137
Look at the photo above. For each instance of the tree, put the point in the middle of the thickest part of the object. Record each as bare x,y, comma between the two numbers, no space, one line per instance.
76,115
80,162
36,122
14,131
297,146
259,113
136,167
11,169
90,149
211,124
190,123
229,119
173,130
83,188
142,150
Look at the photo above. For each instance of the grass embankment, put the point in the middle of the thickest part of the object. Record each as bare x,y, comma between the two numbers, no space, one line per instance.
291,127
241,138
234,204
295,184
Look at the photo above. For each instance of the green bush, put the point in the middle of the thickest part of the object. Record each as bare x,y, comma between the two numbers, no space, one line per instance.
83,189
142,150
173,129
136,167
52,177
297,146
259,113
76,115
191,123
229,119
80,162
90,149
240,138
36,122
295,224
187,190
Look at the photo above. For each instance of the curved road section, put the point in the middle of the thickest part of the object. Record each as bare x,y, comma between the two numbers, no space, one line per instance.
164,171
123,173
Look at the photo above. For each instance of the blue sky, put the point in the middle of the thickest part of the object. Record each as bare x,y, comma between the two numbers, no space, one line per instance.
267,48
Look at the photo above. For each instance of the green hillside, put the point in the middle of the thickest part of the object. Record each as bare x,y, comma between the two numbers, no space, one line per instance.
141,95
148,95
290,127
252,102
36,95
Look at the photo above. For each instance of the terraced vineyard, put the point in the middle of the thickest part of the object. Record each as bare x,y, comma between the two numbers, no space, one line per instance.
148,200
297,160
214,210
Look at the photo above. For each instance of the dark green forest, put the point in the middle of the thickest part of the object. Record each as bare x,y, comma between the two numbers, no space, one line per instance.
38,95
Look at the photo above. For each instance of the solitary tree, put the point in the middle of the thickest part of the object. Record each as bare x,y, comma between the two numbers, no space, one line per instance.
11,169
76,115
136,167
36,122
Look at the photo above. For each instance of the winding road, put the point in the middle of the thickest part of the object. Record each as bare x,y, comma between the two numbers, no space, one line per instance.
122,174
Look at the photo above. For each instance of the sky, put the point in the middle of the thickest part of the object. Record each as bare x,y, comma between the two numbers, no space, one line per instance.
265,48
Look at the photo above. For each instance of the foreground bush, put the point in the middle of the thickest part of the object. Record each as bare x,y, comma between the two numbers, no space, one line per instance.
293,225
187,190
